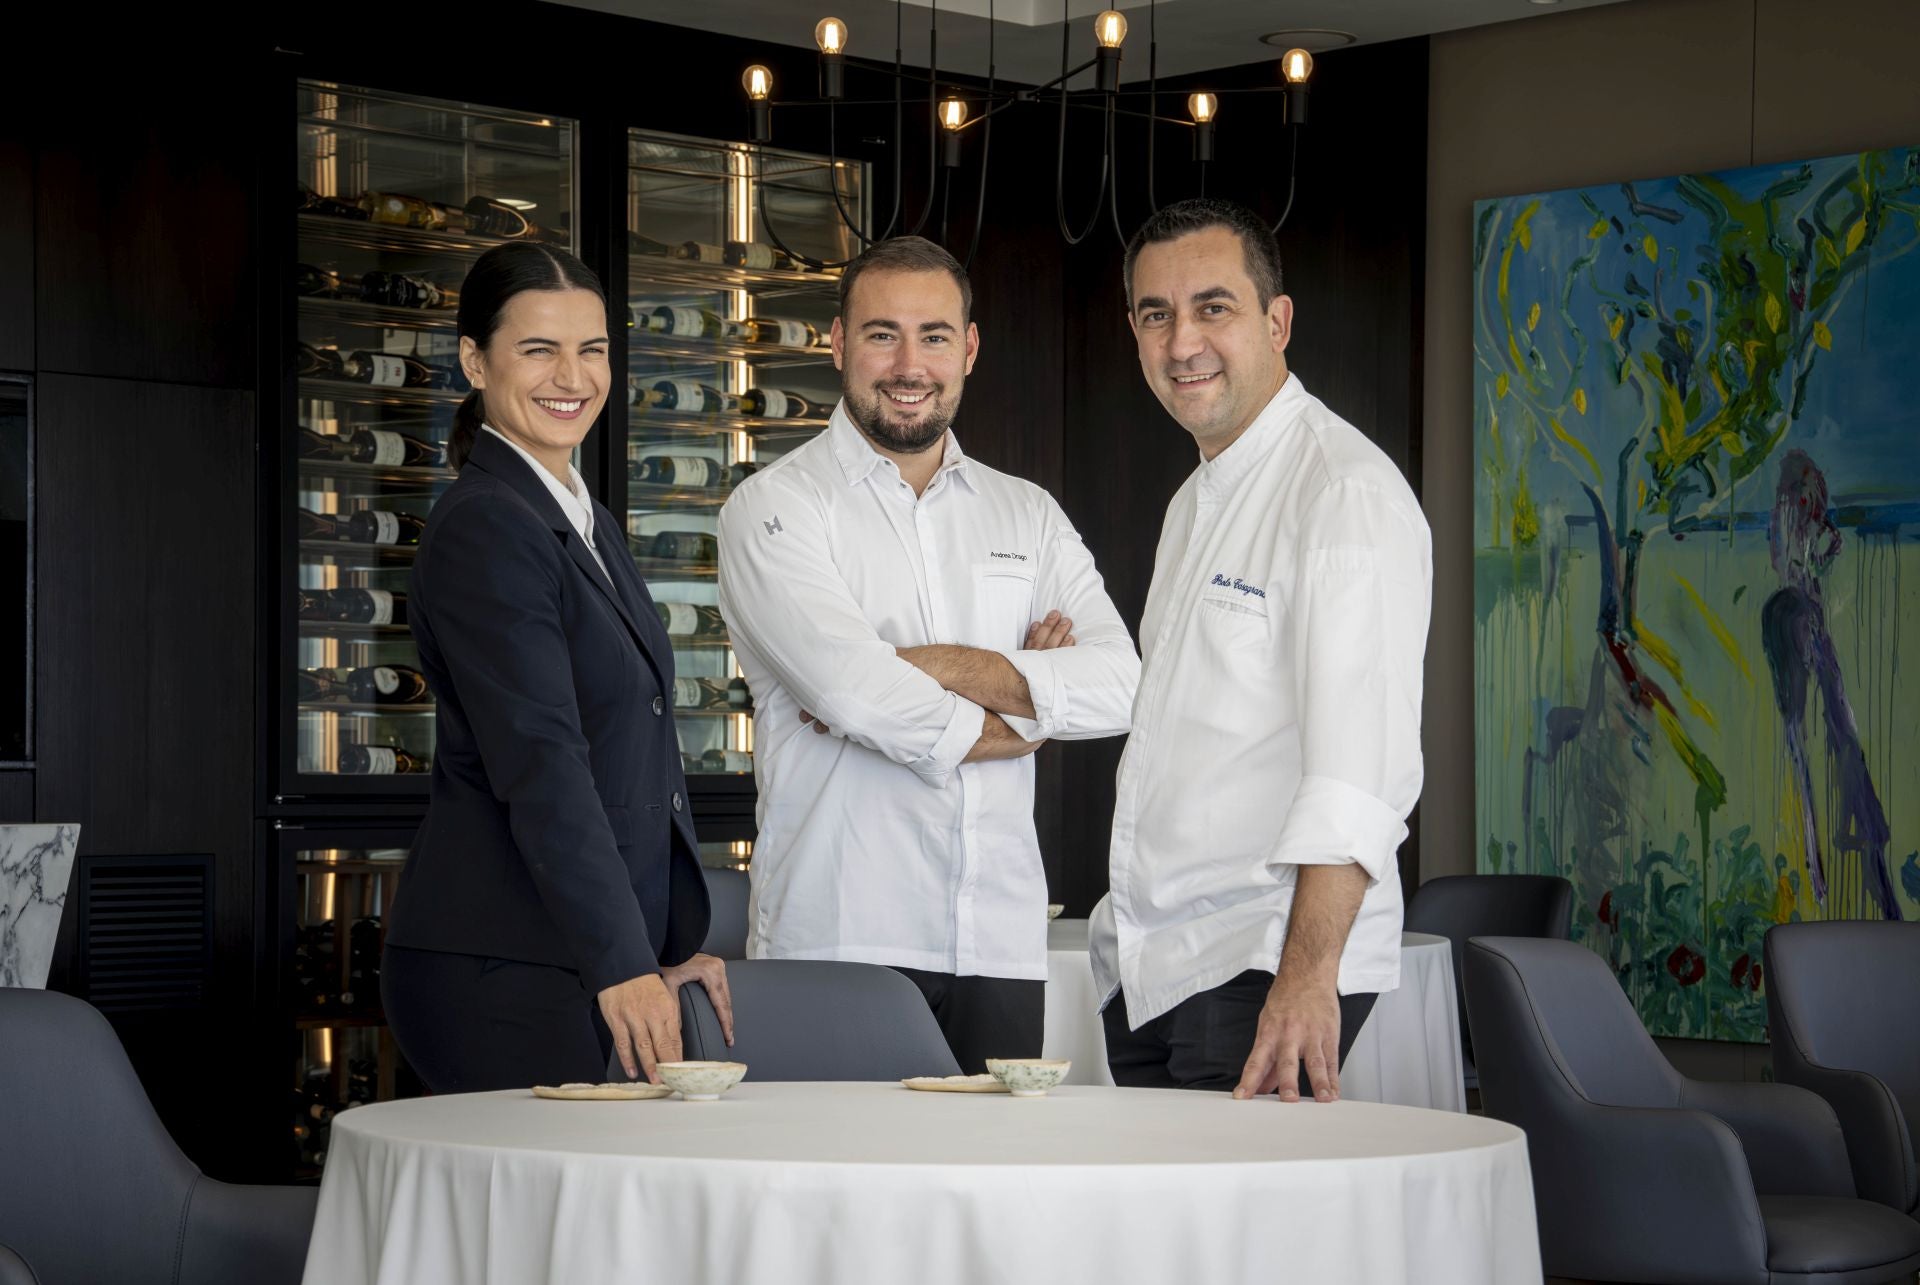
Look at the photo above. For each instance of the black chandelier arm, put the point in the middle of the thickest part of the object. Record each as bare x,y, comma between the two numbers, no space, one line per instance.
933,121
766,225
1060,180
1113,184
986,153
1293,174
1153,99
833,184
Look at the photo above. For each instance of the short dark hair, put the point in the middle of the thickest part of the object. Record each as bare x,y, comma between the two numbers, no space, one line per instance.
1198,214
907,254
500,274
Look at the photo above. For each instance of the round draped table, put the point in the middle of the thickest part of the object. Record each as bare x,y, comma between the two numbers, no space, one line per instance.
842,1184
1408,1053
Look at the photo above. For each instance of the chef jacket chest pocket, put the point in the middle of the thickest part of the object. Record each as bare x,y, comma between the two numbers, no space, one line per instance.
1002,604
1233,622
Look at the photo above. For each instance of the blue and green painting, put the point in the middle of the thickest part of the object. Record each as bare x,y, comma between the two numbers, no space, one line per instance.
1697,415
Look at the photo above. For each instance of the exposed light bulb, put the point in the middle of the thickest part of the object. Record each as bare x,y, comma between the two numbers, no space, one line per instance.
953,113
1110,28
758,82
1204,107
831,36
1296,65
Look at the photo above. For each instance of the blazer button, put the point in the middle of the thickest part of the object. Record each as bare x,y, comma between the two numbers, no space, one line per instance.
659,706
677,804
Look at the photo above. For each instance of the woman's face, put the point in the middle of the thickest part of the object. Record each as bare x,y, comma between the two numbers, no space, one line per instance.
545,371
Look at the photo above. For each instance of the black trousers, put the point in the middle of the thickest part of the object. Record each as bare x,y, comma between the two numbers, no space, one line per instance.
470,1024
984,1017
1204,1041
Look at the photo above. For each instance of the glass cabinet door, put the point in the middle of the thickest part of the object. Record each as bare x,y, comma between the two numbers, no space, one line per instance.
729,367
396,198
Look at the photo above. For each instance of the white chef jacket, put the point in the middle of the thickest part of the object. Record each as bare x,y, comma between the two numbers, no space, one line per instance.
575,501
1278,719
876,844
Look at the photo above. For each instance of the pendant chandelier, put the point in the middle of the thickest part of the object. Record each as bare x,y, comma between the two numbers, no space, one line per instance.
951,117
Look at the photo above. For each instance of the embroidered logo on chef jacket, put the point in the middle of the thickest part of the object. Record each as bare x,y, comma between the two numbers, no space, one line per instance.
773,527
1011,557
1235,583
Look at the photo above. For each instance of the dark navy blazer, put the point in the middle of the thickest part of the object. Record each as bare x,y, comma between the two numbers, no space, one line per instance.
558,829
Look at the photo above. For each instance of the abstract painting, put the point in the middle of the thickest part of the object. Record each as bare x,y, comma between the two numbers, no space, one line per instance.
1697,432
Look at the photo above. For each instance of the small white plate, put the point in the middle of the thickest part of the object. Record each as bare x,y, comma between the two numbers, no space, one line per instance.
956,1083
613,1092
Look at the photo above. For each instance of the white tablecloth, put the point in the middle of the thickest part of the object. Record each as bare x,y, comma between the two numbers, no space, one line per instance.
1408,1053
844,1184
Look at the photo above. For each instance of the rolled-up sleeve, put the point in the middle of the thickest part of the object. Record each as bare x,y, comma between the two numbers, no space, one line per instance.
1362,594
1084,691
782,595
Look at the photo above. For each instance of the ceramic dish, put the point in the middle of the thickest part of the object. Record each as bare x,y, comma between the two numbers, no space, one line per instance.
955,1083
701,1081
1029,1077
615,1092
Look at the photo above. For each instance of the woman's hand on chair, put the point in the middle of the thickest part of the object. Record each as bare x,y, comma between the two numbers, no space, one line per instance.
644,1015
710,972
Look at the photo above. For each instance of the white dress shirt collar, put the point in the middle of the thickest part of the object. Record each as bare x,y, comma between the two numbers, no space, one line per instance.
858,458
575,501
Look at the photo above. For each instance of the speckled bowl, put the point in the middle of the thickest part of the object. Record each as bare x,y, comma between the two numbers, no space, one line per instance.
701,1081
1029,1077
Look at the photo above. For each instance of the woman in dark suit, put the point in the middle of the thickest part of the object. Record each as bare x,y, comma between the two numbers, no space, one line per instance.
553,903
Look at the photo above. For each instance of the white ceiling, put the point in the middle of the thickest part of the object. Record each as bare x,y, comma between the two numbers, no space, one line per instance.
1193,35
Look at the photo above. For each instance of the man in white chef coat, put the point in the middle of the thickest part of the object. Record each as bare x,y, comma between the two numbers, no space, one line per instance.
913,624
1255,910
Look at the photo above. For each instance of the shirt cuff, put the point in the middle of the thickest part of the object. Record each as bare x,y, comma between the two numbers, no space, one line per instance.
1330,823
1045,690
955,743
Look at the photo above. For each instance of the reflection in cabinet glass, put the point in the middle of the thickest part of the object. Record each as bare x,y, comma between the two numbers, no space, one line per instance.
728,369
396,198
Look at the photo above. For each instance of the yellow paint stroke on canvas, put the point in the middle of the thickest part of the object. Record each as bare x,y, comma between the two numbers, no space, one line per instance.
1577,445
1664,656
1721,634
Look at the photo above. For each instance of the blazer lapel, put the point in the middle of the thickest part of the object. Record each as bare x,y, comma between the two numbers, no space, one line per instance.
494,456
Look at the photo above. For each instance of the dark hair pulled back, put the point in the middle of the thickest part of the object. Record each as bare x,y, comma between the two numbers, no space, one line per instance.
500,274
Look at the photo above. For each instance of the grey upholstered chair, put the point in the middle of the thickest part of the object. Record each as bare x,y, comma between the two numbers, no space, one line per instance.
14,1269
1640,1174
92,1189
809,1019
727,890
1458,907
1846,1025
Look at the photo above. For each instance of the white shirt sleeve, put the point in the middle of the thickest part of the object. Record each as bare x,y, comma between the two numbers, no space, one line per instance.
1361,596
780,592
1084,691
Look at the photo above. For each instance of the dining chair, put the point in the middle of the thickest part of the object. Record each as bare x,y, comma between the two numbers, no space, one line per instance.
14,1270
1640,1174
1844,1016
92,1187
727,892
1459,907
813,1019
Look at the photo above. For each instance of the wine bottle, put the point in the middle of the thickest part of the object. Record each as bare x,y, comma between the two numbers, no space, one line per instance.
773,403
677,470
388,685
490,217
353,606
690,397
641,243
371,527
689,762
751,254
686,546
778,330
311,202
319,685
394,450
398,290
320,283
684,323
322,446
710,693
316,363
700,252
396,209
691,620
394,370
727,761
363,964
320,526
377,760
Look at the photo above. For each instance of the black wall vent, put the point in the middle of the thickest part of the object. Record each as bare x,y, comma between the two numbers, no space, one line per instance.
145,932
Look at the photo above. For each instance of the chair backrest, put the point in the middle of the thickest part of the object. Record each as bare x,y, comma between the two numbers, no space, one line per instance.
14,1269
727,891
1845,993
92,1187
1459,907
1552,1020
809,1019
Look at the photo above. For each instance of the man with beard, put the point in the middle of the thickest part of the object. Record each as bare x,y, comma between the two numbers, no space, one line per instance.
913,625
1255,905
